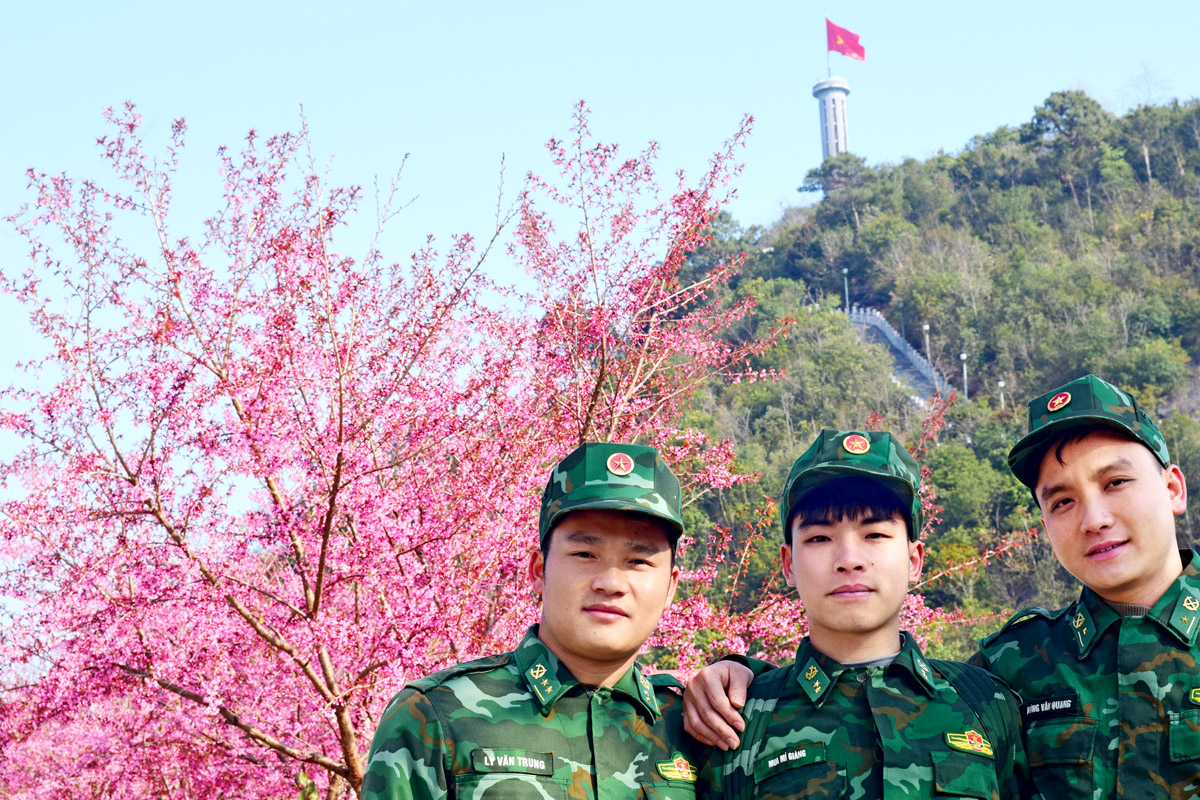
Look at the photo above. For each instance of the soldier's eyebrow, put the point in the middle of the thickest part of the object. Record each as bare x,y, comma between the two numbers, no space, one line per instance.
1118,464
875,519
643,548
583,538
866,519
1054,489
638,546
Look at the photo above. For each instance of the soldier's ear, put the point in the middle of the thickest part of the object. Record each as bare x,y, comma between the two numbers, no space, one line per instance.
537,570
785,555
916,561
1176,489
673,586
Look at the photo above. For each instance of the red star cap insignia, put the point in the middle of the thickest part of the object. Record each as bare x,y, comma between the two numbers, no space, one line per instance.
1059,401
856,444
620,464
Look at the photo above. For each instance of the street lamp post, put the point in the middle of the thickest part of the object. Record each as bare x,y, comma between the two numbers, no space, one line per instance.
963,358
846,284
925,329
1000,384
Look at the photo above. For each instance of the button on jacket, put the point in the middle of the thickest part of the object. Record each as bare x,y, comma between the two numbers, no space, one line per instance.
518,725
817,729
1110,704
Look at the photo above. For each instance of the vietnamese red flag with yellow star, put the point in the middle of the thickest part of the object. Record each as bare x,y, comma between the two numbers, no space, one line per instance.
844,42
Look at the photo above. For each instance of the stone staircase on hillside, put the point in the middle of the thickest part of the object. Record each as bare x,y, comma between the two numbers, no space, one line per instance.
910,370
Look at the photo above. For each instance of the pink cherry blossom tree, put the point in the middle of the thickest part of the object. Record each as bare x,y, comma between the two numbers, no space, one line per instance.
264,483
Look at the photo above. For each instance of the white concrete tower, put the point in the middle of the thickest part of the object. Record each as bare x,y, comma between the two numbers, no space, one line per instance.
831,97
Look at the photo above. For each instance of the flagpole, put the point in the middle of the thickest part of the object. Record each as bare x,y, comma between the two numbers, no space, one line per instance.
828,57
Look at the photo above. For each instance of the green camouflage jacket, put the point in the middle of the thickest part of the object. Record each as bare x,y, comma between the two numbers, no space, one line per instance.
518,725
1110,704
817,729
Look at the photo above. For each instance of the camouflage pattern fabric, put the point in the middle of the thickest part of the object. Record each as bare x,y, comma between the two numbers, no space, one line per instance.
518,725
818,729
867,454
1082,403
1111,704
616,477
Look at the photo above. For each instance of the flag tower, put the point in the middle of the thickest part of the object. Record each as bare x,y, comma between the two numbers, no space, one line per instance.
831,92
831,96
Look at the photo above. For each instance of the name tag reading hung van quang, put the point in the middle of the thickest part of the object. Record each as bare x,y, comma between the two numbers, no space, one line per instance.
1065,705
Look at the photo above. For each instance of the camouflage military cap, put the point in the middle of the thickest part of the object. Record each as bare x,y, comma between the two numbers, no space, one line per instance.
618,477
1086,402
842,454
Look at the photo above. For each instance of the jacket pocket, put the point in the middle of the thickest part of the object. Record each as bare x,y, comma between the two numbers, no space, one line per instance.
964,775
508,786
798,770
1185,735
1060,752
667,790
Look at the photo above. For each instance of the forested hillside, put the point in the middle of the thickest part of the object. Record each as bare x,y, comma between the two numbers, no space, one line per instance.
1066,245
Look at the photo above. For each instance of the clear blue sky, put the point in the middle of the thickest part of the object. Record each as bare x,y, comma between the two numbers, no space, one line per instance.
456,85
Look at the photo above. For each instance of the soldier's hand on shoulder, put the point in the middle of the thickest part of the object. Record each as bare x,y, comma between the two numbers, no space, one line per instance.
711,703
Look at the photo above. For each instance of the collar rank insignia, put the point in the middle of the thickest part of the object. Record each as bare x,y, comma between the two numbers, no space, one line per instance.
922,668
677,769
814,681
970,741
1084,627
542,681
1196,696
1184,617
647,691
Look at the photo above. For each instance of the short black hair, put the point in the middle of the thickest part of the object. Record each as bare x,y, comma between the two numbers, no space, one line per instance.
852,498
667,529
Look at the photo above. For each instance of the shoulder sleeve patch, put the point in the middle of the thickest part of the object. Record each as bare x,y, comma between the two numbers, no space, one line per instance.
1025,615
664,680
977,676
770,683
1031,613
440,677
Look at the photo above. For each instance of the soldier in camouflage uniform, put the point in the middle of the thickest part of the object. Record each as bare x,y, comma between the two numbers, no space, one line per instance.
861,713
1110,686
568,714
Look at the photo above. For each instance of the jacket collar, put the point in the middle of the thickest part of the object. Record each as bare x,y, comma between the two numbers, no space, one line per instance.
548,679
816,673
1177,611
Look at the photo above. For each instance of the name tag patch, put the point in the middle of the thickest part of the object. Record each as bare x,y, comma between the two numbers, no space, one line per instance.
788,757
487,760
1066,705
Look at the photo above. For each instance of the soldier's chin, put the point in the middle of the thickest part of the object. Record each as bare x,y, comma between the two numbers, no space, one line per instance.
610,646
